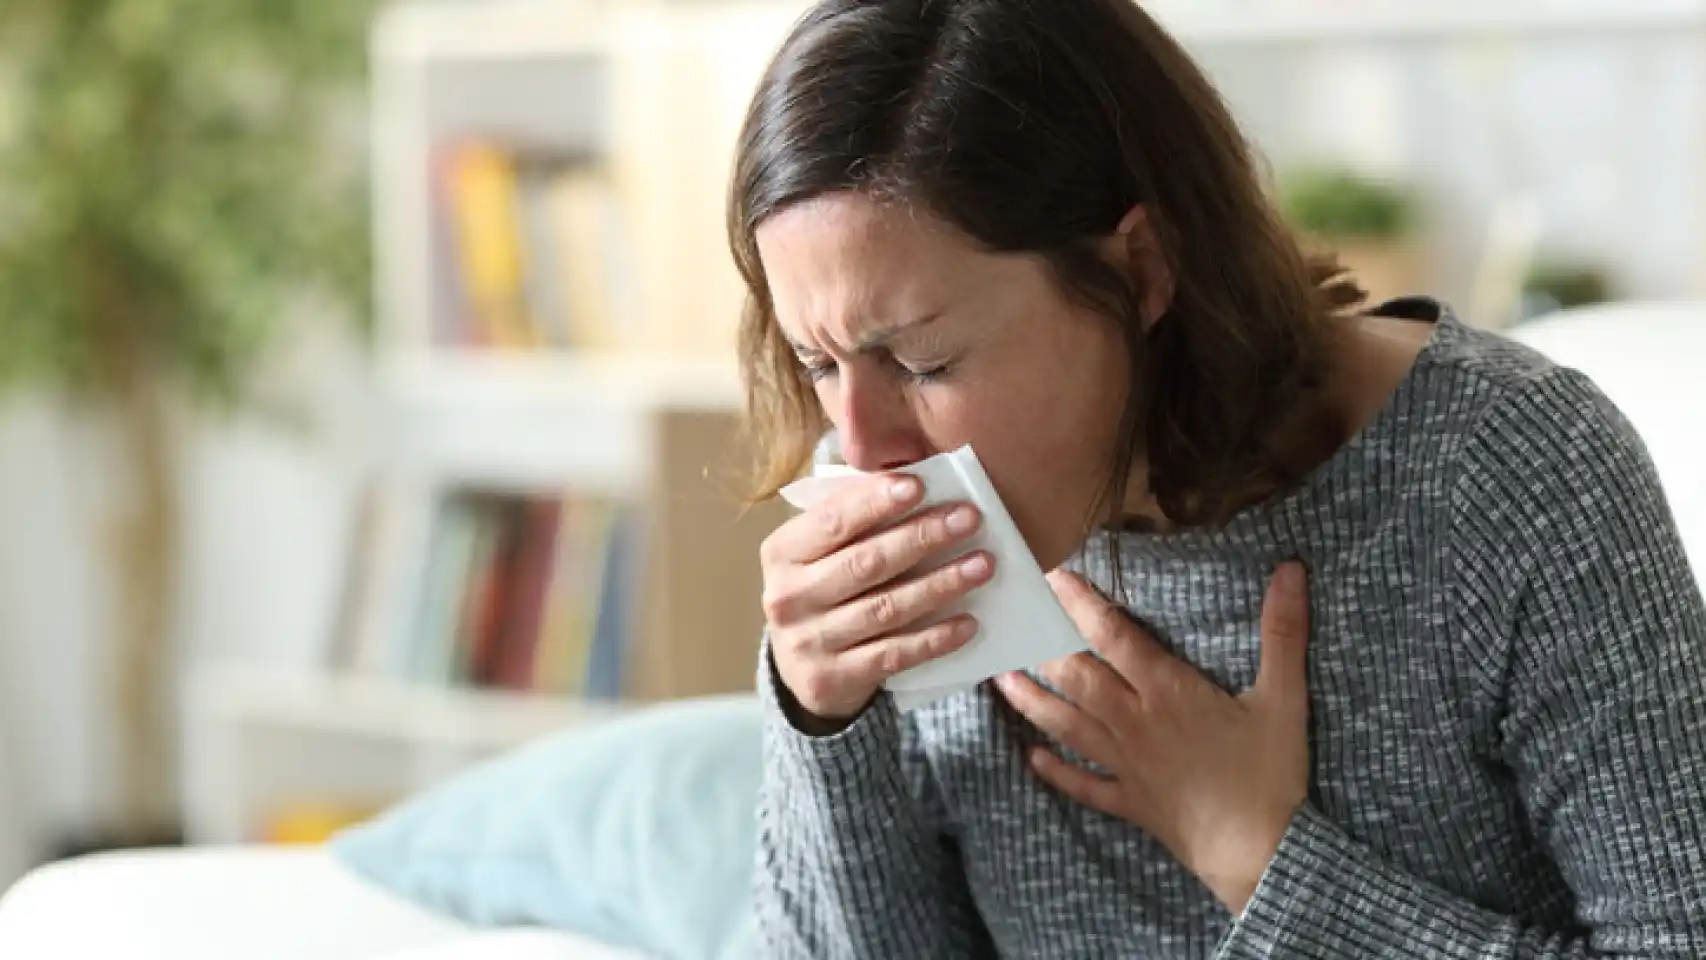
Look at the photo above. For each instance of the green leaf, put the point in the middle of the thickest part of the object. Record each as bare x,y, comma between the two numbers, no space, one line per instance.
170,186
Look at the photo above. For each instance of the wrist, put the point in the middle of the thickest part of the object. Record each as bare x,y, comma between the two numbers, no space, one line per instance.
805,720
810,723
1236,886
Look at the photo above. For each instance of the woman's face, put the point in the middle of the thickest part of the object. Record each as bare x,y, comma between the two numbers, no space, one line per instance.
919,343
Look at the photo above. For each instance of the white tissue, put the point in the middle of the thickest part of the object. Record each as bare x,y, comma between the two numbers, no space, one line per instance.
1021,623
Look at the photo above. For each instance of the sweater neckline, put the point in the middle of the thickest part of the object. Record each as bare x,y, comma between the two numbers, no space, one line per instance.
1313,518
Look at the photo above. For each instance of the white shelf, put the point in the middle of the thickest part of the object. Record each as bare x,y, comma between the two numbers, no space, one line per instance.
491,380
527,421
397,712
500,30
258,741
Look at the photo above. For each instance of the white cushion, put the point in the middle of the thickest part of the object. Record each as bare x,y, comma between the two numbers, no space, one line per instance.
258,904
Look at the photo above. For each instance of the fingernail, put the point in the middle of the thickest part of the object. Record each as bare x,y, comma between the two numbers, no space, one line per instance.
1292,575
976,567
902,489
962,520
965,629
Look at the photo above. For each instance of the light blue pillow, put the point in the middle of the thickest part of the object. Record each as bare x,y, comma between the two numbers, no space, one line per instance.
639,832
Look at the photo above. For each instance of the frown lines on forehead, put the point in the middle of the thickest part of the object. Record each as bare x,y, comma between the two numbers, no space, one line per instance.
874,341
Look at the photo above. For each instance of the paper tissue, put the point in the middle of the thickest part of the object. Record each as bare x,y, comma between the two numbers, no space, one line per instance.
1021,623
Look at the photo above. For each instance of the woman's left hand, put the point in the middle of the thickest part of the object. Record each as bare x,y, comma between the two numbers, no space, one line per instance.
1214,778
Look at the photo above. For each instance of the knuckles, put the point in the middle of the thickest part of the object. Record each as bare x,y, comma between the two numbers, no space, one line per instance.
884,610
835,524
817,687
1110,622
861,565
778,606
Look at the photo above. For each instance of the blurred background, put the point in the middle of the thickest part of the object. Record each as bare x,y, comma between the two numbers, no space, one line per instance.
367,398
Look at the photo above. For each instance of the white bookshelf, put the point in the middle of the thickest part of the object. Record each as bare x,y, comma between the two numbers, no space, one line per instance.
612,82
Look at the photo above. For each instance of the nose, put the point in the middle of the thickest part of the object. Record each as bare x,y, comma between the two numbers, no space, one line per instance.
876,425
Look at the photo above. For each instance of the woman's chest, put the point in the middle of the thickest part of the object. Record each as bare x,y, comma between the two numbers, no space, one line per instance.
1401,737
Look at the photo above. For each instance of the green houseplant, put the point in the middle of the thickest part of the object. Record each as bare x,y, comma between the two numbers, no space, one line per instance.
1560,284
1370,223
172,191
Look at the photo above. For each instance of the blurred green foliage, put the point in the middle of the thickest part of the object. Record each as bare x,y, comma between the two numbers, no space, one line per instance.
1569,284
1339,204
1555,284
177,178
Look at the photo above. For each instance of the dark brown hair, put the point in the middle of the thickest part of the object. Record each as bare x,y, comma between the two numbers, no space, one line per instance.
1034,126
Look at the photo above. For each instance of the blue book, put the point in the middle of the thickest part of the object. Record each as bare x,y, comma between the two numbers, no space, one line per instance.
607,664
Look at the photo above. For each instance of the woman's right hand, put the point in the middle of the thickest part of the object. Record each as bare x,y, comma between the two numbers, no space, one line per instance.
838,626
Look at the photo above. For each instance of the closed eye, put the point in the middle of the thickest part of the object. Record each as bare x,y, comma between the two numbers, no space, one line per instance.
817,368
928,374
821,368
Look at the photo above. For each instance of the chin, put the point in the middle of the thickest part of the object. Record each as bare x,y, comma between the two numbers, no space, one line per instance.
1051,548
1052,535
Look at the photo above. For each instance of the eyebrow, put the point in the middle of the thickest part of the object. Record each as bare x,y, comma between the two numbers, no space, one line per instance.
876,340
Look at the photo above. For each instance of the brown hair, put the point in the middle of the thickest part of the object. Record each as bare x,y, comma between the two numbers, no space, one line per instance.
1034,126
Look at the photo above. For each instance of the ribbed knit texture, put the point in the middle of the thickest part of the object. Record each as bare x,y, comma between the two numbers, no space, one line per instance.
1507,675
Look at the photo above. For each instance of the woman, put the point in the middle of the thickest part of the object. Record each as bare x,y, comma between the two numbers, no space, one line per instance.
1031,226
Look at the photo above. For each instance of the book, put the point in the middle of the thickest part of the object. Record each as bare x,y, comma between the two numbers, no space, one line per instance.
529,593
607,662
529,586
487,223
530,252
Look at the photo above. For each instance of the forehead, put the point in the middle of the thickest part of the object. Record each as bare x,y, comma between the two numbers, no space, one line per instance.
846,262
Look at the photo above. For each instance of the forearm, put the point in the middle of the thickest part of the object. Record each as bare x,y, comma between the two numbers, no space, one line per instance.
850,863
1325,896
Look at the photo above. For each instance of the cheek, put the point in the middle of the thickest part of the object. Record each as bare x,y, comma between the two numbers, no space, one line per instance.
1045,432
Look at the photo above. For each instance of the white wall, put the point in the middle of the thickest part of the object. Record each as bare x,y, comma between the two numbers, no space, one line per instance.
50,610
1608,134
264,515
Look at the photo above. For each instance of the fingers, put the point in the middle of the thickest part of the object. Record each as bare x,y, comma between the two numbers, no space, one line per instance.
855,509
1093,685
883,557
1109,630
1284,675
840,623
1090,789
872,664
1065,723
893,608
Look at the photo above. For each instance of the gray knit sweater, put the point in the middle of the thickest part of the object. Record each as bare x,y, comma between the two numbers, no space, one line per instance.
1508,722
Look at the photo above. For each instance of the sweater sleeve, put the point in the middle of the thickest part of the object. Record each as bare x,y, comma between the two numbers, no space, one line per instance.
852,860
1580,606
